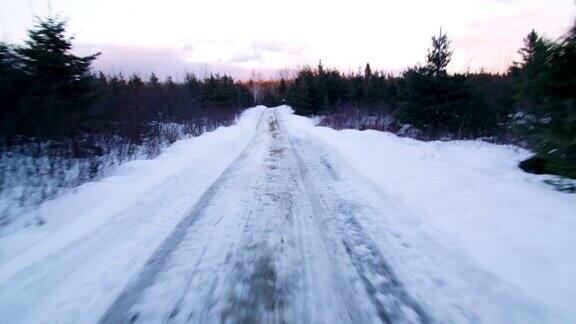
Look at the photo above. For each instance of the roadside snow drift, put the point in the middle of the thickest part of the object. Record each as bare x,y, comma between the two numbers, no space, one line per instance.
276,220
96,238
471,198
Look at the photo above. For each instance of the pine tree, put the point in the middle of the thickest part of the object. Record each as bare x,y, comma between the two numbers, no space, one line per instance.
62,89
282,88
367,71
546,79
135,82
530,73
301,92
533,50
369,91
556,132
320,68
441,104
194,88
153,80
47,54
439,55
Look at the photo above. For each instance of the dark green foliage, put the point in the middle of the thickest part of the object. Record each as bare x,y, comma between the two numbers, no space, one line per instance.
460,106
441,104
132,109
528,75
49,94
432,103
54,86
537,96
494,106
321,91
439,55
46,55
12,82
220,92
546,87
426,97
301,94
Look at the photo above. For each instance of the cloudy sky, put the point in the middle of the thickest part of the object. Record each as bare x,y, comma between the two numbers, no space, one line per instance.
238,36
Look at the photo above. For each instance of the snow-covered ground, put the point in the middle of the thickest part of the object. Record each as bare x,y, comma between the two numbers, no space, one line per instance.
276,220
32,173
99,236
471,198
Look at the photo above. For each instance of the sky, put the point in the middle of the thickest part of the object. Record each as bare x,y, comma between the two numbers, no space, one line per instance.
238,37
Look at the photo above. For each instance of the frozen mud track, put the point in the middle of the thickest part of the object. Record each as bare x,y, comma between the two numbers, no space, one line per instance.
271,241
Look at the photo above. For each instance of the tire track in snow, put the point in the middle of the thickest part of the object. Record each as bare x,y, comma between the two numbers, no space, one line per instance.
311,264
253,268
118,312
385,291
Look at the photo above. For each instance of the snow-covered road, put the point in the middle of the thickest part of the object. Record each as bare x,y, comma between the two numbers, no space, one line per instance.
264,245
270,225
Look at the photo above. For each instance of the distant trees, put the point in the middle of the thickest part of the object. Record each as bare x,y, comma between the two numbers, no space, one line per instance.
301,93
133,108
54,110
48,93
220,92
533,103
438,103
61,125
425,97
324,91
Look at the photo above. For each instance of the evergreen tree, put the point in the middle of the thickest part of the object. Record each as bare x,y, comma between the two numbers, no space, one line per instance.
530,73
301,94
282,88
439,55
153,80
554,128
62,89
135,82
9,61
369,90
46,54
429,98
193,87
367,71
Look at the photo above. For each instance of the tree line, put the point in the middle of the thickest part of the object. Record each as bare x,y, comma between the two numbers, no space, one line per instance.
49,94
532,104
62,125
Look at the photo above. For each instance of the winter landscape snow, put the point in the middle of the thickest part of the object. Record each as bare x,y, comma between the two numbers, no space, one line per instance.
274,219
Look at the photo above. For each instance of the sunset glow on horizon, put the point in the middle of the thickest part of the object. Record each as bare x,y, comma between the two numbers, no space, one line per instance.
171,37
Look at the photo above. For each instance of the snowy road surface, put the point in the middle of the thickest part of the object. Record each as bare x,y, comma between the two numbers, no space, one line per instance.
276,228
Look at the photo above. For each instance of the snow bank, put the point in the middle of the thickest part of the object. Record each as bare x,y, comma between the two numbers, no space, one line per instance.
35,172
91,205
472,197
